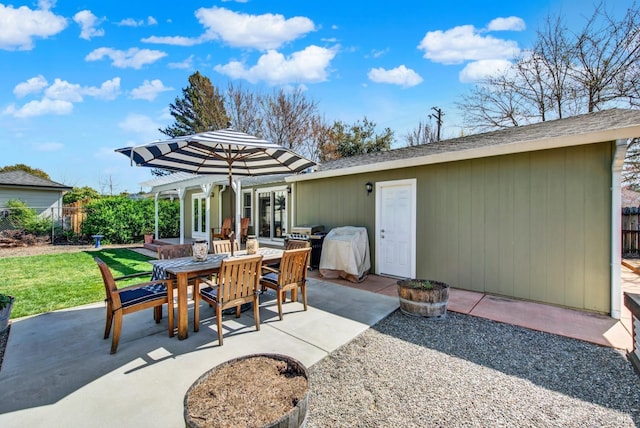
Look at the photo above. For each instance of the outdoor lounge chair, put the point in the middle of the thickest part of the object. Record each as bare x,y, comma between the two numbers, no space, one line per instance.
235,285
122,301
291,275
223,232
244,229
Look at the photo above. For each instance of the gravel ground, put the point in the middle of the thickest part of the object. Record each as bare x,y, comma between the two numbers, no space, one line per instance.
471,372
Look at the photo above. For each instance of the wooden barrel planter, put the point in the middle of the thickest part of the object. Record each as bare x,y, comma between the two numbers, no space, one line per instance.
423,298
259,390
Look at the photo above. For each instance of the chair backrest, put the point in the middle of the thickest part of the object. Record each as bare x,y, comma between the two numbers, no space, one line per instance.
223,246
238,278
294,244
226,226
293,266
244,228
174,251
109,283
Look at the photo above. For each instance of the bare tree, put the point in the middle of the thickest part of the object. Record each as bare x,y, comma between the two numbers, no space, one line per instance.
608,52
287,119
243,108
422,134
563,74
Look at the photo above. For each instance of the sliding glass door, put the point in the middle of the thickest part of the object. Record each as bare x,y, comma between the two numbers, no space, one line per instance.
272,209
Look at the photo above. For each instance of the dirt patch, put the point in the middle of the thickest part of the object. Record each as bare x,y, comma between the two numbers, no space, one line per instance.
249,392
36,250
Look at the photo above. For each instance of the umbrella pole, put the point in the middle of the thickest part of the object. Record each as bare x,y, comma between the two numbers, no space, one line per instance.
233,228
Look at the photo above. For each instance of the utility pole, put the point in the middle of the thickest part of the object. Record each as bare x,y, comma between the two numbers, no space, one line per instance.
438,118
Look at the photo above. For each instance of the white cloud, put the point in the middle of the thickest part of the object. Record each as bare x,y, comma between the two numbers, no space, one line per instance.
41,107
88,23
172,40
478,70
268,31
143,127
149,90
22,25
464,43
401,75
109,90
512,23
185,65
308,65
131,58
59,97
31,86
130,22
64,91
49,147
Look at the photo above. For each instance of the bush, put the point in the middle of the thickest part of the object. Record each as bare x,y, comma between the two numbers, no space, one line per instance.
123,221
23,217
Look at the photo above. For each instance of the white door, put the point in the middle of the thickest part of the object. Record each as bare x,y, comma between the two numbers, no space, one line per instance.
396,228
199,220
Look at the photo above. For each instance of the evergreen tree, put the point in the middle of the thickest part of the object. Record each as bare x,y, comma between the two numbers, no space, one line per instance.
201,108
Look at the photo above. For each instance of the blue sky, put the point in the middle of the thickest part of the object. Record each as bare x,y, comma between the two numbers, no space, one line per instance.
80,79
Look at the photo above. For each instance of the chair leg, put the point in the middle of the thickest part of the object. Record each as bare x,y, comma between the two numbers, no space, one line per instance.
281,295
219,322
157,314
170,317
238,311
256,311
117,327
107,327
303,289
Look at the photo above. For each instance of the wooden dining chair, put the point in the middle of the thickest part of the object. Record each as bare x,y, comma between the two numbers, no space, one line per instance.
223,246
222,232
235,285
174,251
178,250
294,244
291,275
126,300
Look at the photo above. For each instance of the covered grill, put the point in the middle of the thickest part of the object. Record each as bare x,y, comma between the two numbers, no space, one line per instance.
345,254
315,235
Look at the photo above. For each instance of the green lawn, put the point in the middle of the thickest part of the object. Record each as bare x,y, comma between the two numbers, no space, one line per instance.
56,281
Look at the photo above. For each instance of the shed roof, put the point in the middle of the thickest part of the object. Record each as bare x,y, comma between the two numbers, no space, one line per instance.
608,125
23,179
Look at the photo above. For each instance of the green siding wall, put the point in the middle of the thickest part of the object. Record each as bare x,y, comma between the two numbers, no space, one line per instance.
533,225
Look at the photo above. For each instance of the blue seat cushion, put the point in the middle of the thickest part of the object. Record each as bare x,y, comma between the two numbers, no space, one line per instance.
210,293
143,294
271,278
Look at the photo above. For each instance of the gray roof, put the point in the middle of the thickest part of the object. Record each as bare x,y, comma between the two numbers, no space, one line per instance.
24,179
590,123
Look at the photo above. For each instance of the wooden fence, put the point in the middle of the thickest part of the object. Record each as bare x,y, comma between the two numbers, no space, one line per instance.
74,215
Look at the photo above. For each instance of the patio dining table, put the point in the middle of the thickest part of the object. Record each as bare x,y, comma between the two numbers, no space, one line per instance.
183,268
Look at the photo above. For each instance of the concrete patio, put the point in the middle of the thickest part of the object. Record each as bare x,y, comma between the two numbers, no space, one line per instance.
58,370
57,367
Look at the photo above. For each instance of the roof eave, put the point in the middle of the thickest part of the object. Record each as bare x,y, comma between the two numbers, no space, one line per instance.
480,152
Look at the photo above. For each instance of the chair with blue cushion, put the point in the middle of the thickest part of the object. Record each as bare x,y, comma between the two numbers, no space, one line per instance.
122,301
291,275
236,284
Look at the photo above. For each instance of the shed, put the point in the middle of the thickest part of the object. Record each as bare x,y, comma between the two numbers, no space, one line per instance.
40,194
530,212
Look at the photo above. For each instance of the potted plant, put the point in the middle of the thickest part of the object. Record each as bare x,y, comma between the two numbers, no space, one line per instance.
6,303
149,234
423,297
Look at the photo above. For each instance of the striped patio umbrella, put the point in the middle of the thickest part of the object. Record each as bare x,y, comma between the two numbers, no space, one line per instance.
225,151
